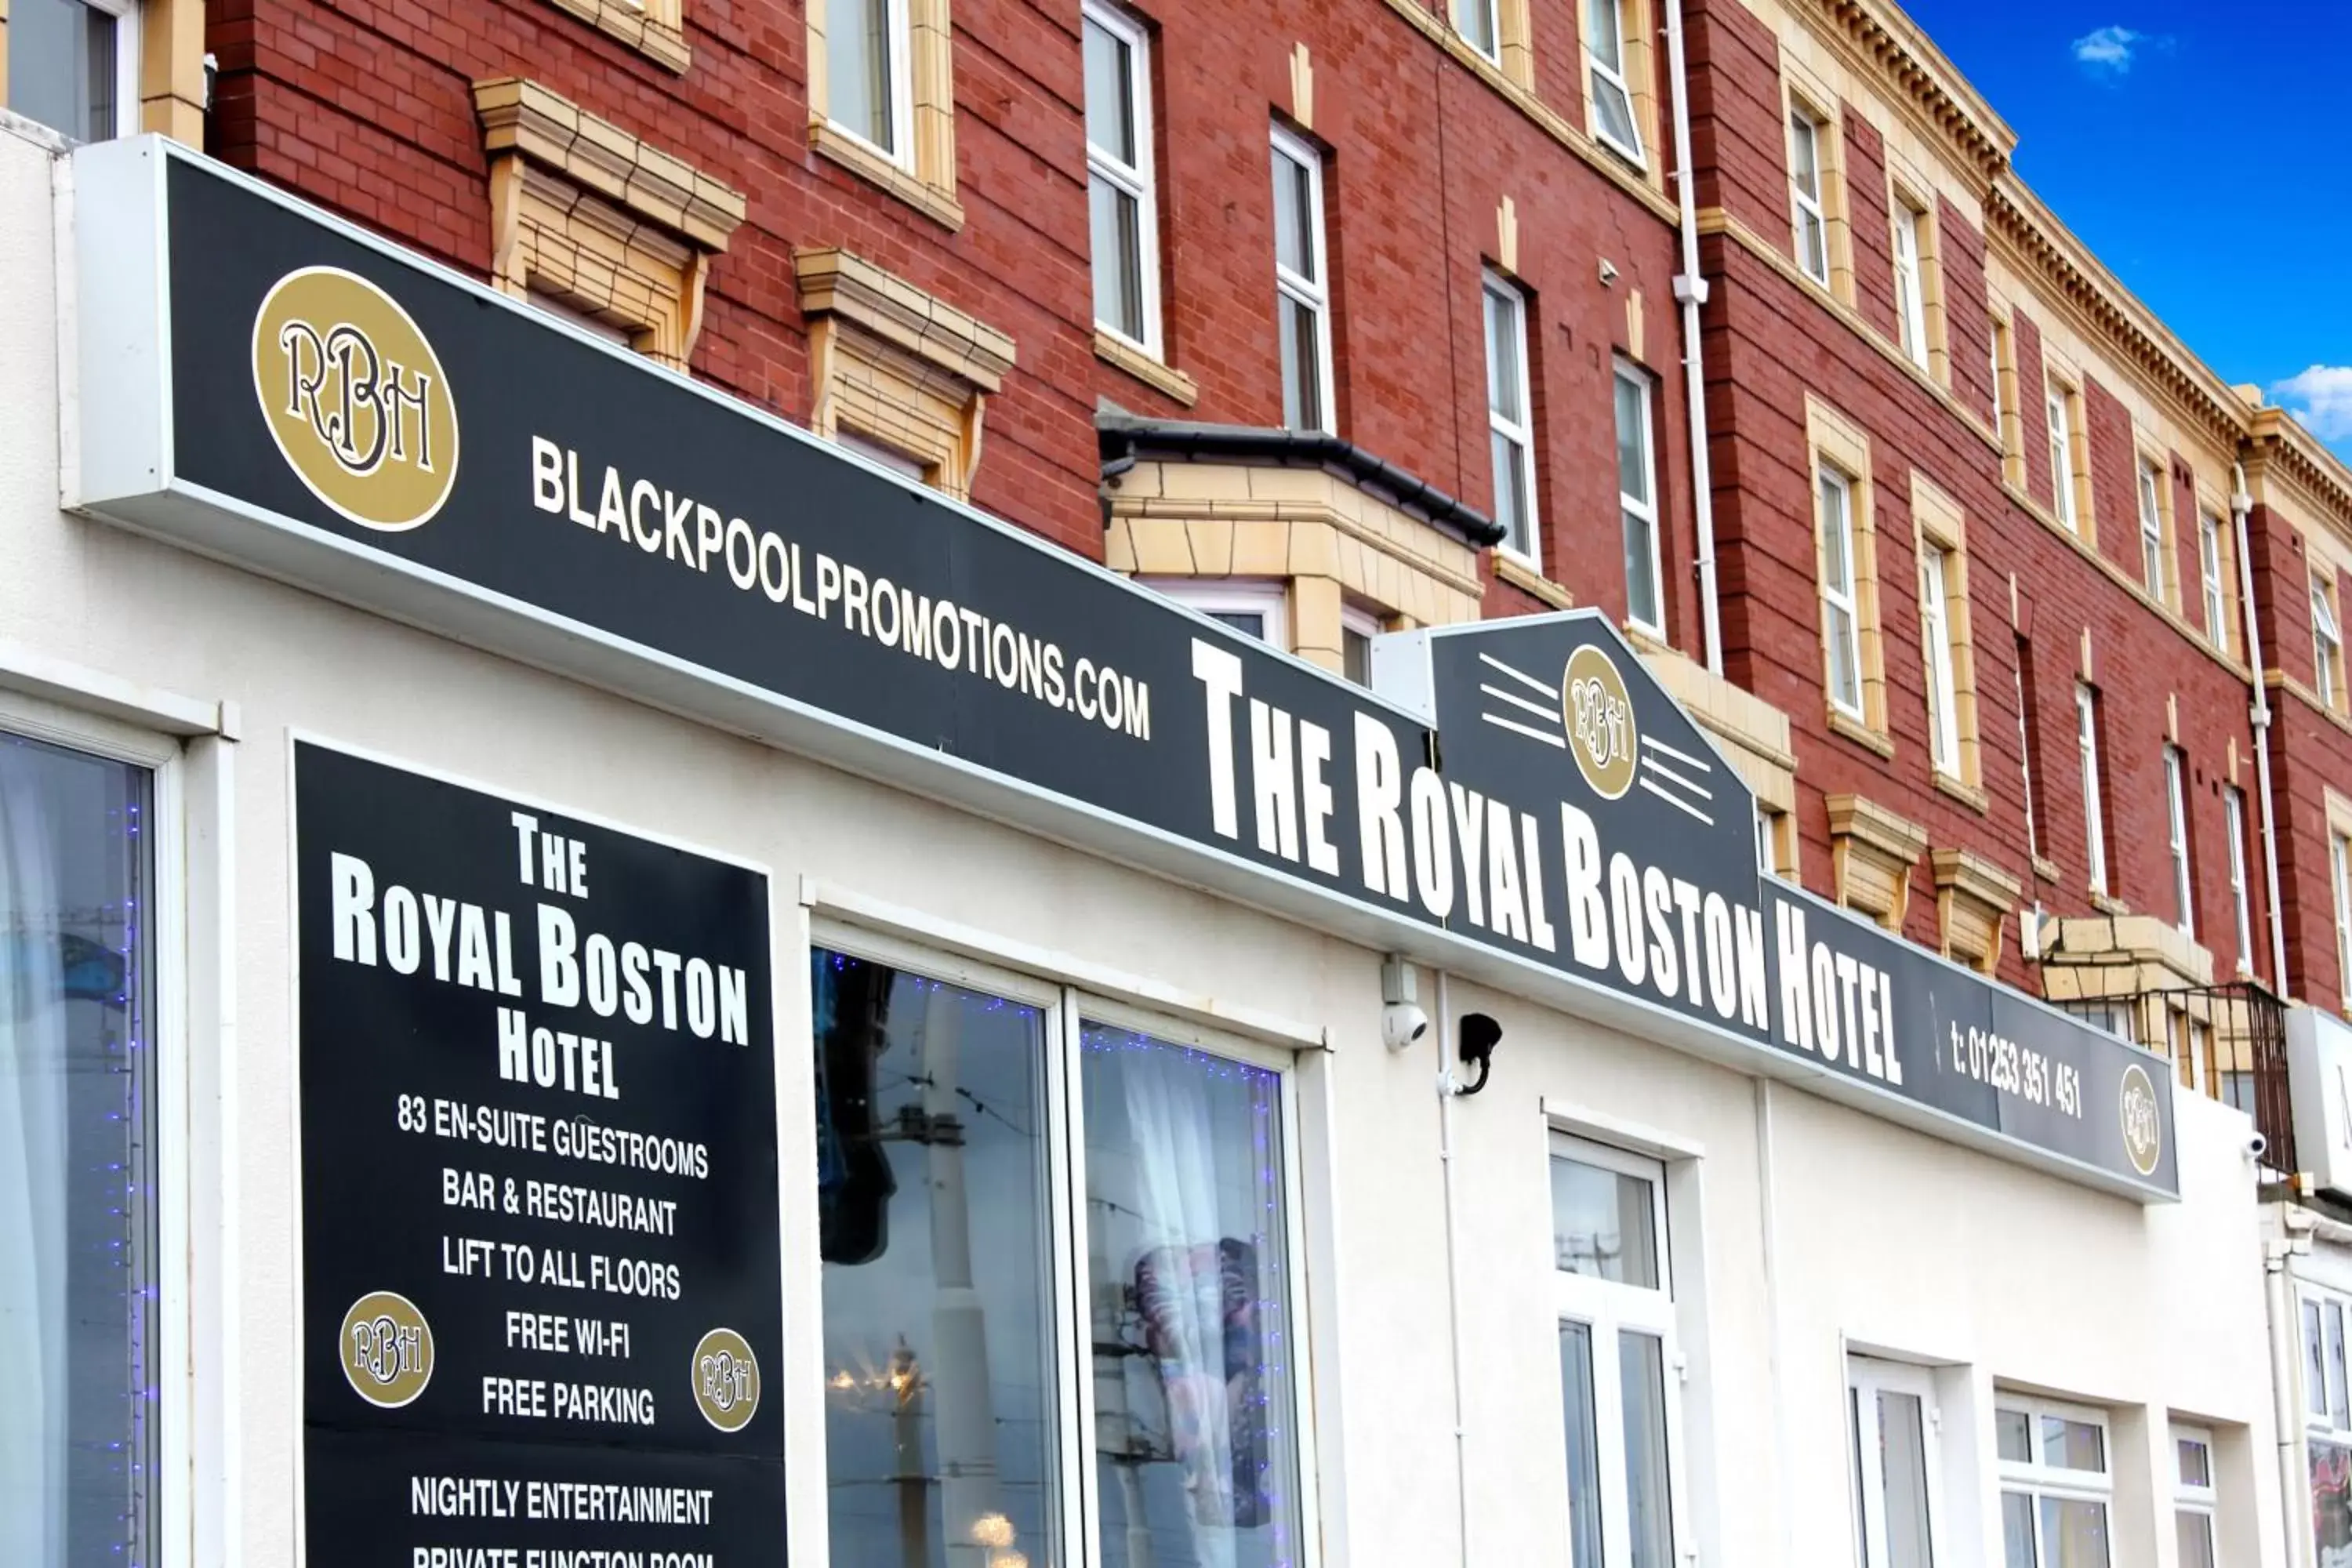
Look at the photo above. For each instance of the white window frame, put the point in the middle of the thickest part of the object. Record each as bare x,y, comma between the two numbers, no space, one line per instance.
1602,74
1643,509
2175,805
2325,1414
2086,747
1266,597
2339,865
1866,1377
2234,813
2327,646
2038,1479
1997,339
1809,210
1490,14
128,110
1313,293
192,785
2190,1501
2209,561
1943,684
1910,282
1845,601
1519,433
1607,1309
2151,530
2062,457
1069,1005
900,149
1138,180
1357,622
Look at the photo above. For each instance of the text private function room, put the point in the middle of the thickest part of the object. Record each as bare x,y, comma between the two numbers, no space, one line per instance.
590,980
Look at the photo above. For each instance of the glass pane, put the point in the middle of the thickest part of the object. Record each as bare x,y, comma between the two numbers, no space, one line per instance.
1250,621
1633,439
1902,1461
938,1336
76,1159
858,66
2073,1534
1511,494
1649,1519
1110,108
1603,1225
1474,20
2196,1463
2331,1503
1118,224
1837,539
1301,331
2073,1444
1604,34
2314,1363
1845,675
1294,216
1584,1445
1193,1394
1812,246
1355,656
1504,344
62,67
1642,572
1804,153
2335,1402
2017,1530
1613,112
2012,1434
2196,1540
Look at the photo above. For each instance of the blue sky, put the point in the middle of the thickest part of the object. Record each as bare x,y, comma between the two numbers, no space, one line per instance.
2200,151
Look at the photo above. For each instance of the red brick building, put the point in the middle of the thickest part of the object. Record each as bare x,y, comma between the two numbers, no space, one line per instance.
1970,505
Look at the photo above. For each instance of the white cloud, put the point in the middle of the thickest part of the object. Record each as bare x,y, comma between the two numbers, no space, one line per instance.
2322,398
2107,50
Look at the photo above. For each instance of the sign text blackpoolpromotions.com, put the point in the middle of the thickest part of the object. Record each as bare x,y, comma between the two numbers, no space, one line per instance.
613,519
541,1258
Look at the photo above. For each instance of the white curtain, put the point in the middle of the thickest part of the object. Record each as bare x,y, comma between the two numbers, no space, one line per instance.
1169,1119
33,1344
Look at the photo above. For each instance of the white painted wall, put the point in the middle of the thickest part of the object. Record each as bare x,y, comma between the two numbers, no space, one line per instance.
1876,1234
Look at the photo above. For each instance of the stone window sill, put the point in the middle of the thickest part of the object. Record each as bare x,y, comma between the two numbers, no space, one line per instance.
1166,378
657,40
1859,733
1529,580
1967,794
829,141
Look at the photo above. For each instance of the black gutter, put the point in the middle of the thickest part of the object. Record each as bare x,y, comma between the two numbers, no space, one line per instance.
1125,440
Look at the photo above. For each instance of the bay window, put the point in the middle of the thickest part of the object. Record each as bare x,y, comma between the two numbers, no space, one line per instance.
2055,1485
80,1258
1614,1302
1059,1270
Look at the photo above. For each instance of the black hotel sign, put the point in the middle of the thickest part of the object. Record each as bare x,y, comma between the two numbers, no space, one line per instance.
331,410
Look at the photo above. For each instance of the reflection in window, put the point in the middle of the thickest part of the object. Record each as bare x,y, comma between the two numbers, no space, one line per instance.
930,1175
78,1254
1648,1519
1197,1458
1602,1223
1579,1401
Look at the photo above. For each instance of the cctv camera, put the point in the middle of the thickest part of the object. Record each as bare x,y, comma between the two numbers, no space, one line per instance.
1402,1022
2256,1145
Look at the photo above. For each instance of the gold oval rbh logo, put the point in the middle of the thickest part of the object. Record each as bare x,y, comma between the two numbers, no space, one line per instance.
355,398
2143,1121
1597,714
726,1380
386,1350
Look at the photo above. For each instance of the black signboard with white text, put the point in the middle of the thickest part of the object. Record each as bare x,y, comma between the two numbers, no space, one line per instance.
338,413
541,1254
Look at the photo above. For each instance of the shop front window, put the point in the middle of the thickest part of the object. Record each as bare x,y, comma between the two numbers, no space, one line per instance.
1615,1307
990,1389
939,1335
2054,1484
1187,1263
77,1247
